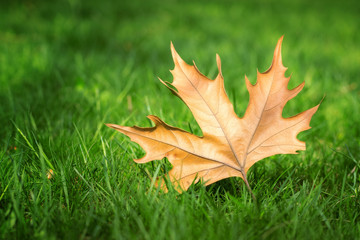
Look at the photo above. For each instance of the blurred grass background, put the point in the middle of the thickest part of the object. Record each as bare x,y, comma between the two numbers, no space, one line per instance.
68,67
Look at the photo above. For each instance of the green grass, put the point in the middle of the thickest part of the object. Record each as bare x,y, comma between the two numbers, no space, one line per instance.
68,67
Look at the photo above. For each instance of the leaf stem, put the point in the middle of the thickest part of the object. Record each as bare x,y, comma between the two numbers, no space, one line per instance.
248,187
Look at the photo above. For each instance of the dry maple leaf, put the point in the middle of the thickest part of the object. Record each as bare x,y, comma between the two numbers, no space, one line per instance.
230,145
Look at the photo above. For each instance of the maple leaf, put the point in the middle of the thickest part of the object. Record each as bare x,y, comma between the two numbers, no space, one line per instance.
230,145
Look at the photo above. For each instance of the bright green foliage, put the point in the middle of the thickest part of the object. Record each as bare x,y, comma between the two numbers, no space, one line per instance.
67,67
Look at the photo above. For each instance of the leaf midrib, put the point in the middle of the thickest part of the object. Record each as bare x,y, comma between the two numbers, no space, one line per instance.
217,120
259,119
183,149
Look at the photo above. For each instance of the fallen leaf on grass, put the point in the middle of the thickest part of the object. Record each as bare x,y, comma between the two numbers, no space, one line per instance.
50,174
230,145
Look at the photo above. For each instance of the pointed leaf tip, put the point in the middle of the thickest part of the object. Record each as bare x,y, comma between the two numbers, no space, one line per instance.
277,59
218,62
174,54
277,51
171,45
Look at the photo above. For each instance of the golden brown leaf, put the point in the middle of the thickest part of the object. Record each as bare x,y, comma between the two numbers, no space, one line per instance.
230,145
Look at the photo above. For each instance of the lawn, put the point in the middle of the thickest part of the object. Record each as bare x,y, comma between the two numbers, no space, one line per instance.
68,67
